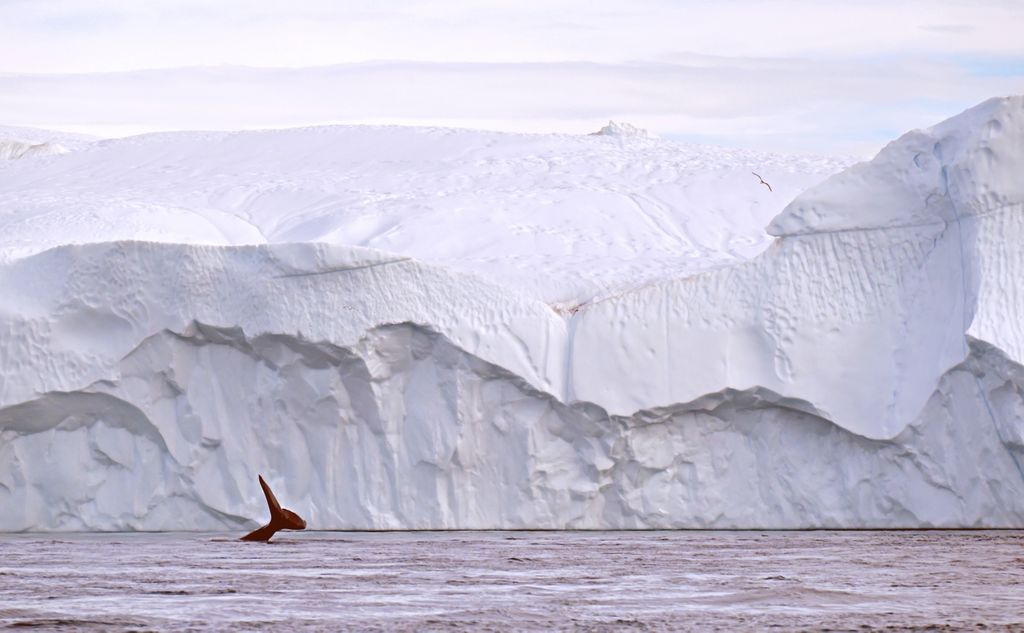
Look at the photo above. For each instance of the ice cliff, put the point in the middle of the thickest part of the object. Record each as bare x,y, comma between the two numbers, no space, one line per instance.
861,370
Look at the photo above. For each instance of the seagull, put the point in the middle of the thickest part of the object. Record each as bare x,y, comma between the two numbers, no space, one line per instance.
763,182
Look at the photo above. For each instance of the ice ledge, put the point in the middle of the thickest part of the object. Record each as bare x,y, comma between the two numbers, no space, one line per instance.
967,165
80,308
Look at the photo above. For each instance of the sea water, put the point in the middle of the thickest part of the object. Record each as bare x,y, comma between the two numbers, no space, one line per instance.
514,580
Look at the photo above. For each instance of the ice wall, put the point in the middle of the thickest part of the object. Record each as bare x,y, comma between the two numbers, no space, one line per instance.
864,371
406,431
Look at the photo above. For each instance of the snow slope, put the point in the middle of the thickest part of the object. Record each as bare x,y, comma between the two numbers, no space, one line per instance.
564,218
861,370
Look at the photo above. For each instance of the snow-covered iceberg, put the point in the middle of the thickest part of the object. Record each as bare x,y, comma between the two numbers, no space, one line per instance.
415,329
13,149
18,142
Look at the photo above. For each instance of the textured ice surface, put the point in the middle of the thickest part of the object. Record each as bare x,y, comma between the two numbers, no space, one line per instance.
862,370
563,218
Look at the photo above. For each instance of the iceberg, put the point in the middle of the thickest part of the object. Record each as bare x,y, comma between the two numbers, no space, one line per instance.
438,329
13,149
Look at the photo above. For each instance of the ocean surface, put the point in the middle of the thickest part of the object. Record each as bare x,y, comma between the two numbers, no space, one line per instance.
516,581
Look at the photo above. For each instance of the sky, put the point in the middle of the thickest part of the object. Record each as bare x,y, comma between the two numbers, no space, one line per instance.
791,75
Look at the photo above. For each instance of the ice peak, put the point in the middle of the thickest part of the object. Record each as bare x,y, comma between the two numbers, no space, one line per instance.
622,130
962,166
11,149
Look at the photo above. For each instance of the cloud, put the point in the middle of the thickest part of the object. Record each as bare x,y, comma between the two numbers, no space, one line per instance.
947,28
113,35
806,74
785,104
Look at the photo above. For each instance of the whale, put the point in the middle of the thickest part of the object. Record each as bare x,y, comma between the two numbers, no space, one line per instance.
280,518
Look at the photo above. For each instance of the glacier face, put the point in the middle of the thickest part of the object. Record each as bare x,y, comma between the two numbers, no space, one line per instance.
862,371
405,430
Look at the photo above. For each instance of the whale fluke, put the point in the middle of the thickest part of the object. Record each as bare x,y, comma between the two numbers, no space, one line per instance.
280,518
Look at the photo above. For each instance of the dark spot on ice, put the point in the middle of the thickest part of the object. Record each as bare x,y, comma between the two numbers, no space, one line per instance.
775,578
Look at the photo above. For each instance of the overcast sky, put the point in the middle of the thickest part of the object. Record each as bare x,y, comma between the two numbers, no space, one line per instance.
787,74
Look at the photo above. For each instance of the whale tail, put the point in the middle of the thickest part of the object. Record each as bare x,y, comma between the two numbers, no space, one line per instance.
280,518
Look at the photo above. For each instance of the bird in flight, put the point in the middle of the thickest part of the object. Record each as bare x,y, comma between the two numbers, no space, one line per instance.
763,182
